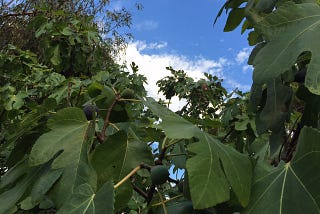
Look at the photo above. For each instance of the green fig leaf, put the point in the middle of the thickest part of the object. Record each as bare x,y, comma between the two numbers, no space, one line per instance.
214,168
274,189
284,31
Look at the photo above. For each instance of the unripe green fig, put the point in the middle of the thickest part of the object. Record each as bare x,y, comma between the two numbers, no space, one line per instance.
95,89
90,110
127,93
159,174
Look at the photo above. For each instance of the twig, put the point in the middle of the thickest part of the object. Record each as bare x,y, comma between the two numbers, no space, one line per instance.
78,96
18,14
227,135
8,4
150,193
293,142
287,140
138,190
69,94
101,137
130,100
163,203
161,156
170,199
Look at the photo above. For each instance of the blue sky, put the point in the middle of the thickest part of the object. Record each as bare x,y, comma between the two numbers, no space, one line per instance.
180,33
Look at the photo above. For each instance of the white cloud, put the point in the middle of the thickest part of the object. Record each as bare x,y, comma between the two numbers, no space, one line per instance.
146,25
236,85
142,45
247,68
243,55
153,67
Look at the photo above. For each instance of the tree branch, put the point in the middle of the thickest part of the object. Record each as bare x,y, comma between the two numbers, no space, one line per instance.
101,137
18,14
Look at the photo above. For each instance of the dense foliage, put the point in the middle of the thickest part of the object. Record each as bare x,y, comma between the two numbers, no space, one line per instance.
79,134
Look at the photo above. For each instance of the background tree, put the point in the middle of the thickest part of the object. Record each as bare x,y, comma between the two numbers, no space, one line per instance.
79,135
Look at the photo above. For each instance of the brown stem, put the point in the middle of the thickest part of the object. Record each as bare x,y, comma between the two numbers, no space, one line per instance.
161,156
18,14
138,190
69,94
287,139
227,135
78,96
293,143
150,193
101,137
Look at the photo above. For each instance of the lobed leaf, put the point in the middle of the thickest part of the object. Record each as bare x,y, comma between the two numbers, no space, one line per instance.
214,168
69,130
275,190
285,30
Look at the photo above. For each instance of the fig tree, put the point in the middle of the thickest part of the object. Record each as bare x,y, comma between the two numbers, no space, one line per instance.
90,110
159,174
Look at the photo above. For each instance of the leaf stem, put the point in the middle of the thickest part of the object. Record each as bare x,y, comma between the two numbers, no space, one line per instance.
127,176
163,203
178,154
131,100
172,142
170,199
114,126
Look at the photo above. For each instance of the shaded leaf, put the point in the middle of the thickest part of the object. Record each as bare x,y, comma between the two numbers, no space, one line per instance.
85,200
40,188
56,59
275,111
69,130
275,189
234,19
12,196
116,157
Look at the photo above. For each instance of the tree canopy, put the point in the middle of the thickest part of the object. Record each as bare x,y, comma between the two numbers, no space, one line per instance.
79,134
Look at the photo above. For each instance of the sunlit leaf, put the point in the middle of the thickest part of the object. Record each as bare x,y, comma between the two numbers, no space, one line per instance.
215,167
285,30
56,59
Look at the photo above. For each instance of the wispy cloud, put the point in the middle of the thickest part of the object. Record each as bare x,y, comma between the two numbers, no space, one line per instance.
247,68
243,55
146,25
142,45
